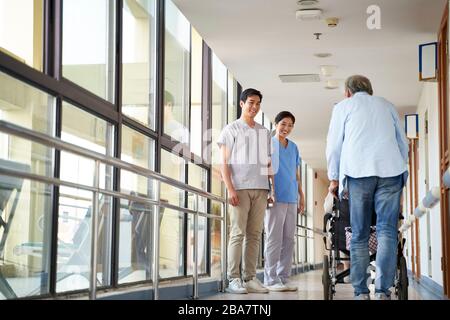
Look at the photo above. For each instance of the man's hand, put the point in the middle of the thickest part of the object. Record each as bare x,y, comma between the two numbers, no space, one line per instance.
301,206
234,199
333,188
271,198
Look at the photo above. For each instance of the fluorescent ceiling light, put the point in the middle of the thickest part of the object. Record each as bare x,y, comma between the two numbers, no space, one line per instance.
299,78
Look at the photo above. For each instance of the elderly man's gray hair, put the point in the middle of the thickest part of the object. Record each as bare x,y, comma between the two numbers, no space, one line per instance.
358,83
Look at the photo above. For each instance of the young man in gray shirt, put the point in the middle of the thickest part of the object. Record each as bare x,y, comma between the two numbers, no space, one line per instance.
245,166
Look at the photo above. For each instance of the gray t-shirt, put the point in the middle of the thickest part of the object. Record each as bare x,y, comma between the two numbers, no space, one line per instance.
250,154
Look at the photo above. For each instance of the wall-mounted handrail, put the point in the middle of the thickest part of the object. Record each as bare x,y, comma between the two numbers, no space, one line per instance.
56,143
430,200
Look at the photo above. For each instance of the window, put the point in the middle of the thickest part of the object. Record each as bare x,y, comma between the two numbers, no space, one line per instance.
76,206
259,117
136,219
198,178
89,45
233,102
196,93
138,69
219,119
176,78
267,123
21,36
25,206
172,221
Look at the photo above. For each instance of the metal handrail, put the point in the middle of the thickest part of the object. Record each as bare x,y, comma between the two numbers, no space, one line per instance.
56,143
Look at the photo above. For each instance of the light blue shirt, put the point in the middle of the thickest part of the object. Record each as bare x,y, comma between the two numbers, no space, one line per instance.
365,139
285,163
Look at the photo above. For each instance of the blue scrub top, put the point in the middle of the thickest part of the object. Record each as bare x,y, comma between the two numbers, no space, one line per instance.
285,162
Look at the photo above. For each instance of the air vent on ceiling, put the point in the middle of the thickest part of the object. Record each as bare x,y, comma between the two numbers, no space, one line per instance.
294,78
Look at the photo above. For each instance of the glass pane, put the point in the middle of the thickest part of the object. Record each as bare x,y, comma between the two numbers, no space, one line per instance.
89,47
138,69
201,245
171,248
135,246
76,206
198,178
25,206
266,122
172,166
21,31
259,117
176,78
135,217
232,98
219,119
196,93
26,106
216,248
172,224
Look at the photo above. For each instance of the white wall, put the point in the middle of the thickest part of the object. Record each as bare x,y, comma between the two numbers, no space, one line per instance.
320,192
429,101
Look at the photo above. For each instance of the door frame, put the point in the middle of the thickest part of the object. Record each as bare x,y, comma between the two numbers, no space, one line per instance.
444,149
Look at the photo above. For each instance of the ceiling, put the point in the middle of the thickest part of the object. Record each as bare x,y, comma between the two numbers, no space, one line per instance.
260,39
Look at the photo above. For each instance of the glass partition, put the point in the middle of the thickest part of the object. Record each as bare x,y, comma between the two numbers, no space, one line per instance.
138,68
88,53
76,206
25,206
21,31
176,77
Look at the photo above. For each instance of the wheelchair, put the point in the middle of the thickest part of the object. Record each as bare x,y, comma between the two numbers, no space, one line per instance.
334,230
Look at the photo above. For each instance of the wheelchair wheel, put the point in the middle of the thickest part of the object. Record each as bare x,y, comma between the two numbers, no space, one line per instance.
402,280
326,280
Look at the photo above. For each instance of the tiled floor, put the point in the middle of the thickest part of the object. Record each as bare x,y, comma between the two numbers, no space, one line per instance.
310,288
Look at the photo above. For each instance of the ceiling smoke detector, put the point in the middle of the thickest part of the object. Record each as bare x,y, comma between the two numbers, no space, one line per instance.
307,2
308,14
322,55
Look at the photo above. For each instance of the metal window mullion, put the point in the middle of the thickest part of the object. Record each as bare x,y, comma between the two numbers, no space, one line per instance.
94,233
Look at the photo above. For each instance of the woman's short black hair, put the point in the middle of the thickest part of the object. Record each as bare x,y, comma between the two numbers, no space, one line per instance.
284,114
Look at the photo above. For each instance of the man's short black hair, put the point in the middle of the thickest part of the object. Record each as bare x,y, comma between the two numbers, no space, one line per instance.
284,114
250,92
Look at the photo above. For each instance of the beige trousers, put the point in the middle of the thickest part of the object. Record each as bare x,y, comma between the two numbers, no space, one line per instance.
246,223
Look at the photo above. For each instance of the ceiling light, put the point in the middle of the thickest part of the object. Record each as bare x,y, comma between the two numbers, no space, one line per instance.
291,78
332,22
332,84
327,71
307,2
308,14
322,55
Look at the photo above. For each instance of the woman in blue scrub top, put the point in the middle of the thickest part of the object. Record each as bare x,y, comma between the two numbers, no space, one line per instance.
281,219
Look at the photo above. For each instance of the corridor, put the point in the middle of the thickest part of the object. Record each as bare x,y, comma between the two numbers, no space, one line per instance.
115,176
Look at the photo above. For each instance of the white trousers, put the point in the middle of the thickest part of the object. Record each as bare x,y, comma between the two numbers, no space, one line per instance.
279,225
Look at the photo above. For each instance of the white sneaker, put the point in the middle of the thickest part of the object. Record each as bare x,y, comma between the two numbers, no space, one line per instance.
255,286
362,296
278,287
382,296
235,286
290,286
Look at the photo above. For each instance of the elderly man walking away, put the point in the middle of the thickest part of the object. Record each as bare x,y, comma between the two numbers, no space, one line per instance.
367,154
